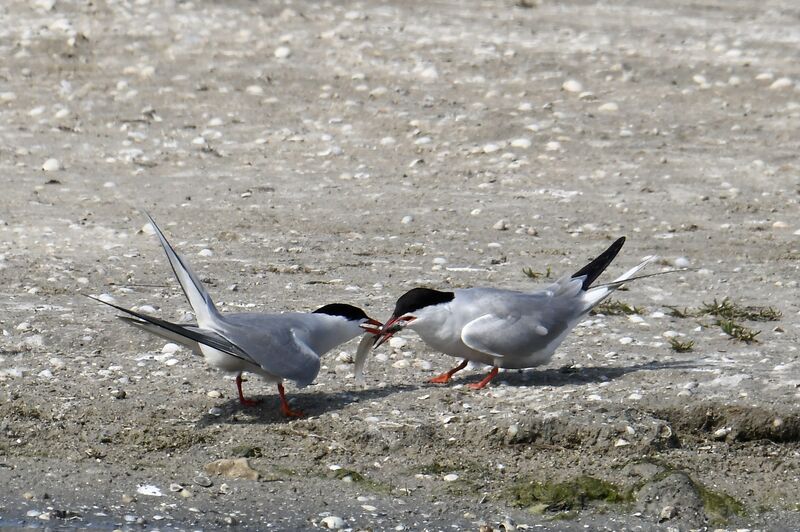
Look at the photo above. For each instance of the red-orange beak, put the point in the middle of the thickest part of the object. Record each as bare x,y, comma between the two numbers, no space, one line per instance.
372,326
390,328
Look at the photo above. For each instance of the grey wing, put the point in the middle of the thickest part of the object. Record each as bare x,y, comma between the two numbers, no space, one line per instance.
273,344
506,336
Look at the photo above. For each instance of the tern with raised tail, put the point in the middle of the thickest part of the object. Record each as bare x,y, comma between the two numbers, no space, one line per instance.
274,346
503,328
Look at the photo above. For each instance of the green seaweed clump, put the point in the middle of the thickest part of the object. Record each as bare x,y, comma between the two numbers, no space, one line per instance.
565,496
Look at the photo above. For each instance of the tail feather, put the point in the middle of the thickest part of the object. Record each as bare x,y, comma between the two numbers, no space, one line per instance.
593,270
161,332
595,295
171,331
204,309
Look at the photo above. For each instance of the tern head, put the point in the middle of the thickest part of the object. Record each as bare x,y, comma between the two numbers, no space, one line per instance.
352,314
410,307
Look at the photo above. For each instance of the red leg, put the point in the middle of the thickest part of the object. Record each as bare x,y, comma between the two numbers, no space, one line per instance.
242,400
478,385
287,411
445,377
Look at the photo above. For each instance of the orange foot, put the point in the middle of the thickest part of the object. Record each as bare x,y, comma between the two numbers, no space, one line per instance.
285,408
445,377
480,385
288,412
441,379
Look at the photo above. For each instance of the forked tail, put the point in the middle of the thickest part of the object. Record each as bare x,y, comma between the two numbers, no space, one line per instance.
202,305
593,270
595,295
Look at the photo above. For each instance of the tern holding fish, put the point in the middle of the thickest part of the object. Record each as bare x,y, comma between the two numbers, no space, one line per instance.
275,346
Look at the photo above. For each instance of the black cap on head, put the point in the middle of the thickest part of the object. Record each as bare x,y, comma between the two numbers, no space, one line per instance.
343,309
417,298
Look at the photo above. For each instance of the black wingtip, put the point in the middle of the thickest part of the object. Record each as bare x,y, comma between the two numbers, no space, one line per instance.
593,270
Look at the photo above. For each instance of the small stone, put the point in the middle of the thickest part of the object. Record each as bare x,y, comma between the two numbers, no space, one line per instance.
149,490
170,348
501,225
521,143
682,262
232,468
621,442
395,342
203,481
51,165
491,148
667,513
452,477
572,85
213,394
781,83
721,434
332,522
401,364
553,145
254,90
282,52
625,340
780,225
118,394
407,219
608,107
205,252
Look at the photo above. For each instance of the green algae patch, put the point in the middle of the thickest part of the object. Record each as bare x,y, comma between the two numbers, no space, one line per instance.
567,496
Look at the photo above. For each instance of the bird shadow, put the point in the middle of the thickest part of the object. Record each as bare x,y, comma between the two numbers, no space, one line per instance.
315,403
567,375
311,404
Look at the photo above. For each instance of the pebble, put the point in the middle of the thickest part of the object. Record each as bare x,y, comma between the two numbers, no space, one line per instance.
491,148
332,522
282,52
397,343
205,252
149,490
51,165
452,477
213,394
572,85
118,394
667,513
501,225
407,219
254,90
170,348
781,83
202,481
608,107
682,262
721,434
401,364
521,143
7,96
553,145
625,340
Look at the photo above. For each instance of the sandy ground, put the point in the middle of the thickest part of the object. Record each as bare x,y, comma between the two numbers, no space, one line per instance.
300,154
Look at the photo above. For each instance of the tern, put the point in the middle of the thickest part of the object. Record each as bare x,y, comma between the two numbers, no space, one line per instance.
504,328
274,346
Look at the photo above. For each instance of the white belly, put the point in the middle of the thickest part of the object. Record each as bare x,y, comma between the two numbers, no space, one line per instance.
231,364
